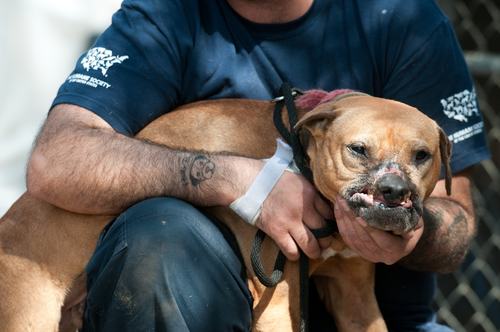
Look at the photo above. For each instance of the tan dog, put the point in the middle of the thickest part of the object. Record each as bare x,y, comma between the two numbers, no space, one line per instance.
357,145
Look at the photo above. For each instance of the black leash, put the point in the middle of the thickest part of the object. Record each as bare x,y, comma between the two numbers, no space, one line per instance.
290,136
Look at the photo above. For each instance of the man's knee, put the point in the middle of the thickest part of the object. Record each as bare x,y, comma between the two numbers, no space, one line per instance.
167,233
168,226
164,253
162,224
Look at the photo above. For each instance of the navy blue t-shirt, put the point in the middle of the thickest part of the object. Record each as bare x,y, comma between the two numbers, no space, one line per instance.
159,54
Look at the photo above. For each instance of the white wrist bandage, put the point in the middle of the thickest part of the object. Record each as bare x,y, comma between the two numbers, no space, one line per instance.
249,206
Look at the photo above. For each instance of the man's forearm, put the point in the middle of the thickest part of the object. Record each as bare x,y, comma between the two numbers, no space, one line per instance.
98,171
448,229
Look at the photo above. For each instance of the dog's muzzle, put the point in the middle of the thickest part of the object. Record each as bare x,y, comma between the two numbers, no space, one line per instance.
386,200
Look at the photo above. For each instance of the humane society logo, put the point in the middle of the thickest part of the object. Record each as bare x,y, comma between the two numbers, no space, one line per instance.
99,58
461,106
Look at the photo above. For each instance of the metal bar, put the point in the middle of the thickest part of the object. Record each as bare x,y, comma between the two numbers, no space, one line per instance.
482,63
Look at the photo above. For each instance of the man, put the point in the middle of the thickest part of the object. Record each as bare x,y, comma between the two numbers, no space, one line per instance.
162,265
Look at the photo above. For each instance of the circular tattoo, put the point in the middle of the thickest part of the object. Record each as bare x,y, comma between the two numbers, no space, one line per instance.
201,169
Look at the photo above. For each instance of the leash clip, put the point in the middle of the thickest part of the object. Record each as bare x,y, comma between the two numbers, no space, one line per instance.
295,92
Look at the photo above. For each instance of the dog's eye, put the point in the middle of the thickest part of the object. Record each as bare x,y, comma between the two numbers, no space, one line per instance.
358,150
421,156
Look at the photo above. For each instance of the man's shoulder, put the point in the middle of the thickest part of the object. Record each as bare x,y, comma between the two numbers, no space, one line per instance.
401,7
400,24
402,13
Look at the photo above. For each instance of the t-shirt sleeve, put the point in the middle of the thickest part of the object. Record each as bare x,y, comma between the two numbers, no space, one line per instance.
133,72
431,75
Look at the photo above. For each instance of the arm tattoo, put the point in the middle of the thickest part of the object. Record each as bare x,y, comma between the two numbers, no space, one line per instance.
196,169
445,240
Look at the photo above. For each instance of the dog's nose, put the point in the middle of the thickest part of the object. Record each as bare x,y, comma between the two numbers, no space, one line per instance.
393,188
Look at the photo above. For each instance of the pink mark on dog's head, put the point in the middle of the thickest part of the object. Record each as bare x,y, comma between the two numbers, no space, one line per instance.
389,168
312,98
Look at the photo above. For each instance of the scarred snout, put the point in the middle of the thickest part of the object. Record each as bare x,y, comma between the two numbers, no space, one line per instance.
386,198
393,190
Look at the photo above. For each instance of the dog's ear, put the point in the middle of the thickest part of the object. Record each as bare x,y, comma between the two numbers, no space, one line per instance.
319,113
326,110
313,123
445,151
304,137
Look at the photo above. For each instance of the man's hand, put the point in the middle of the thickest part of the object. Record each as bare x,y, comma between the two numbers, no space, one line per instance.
440,246
293,208
374,245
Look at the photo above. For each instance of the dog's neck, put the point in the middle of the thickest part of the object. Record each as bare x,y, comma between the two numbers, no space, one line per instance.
271,11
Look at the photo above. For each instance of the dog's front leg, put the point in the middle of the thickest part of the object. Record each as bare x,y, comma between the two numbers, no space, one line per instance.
346,287
277,309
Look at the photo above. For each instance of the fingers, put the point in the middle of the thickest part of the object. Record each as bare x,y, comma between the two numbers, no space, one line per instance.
318,215
323,208
414,236
354,237
292,234
316,211
306,241
300,231
372,244
290,211
289,236
288,247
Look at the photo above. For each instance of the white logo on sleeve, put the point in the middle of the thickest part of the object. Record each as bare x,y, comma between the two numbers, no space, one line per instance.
461,106
99,58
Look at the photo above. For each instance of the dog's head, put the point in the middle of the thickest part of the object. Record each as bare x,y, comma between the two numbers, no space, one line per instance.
384,157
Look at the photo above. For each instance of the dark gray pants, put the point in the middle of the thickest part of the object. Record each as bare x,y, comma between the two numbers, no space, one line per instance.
164,266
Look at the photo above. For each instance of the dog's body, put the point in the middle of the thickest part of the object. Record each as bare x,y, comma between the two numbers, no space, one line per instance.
43,249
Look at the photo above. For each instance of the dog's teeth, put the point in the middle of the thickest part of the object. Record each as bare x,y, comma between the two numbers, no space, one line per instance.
363,198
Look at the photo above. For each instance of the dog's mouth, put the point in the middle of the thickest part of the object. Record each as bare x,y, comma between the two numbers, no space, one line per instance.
367,199
398,215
